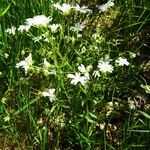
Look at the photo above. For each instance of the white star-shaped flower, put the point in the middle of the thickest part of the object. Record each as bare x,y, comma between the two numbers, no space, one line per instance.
105,67
85,70
77,27
50,93
54,27
65,8
105,6
122,61
77,78
39,20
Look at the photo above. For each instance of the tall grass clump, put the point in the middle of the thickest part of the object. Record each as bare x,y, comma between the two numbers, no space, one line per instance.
74,75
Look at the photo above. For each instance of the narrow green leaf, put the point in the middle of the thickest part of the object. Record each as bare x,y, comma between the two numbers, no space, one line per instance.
144,114
5,10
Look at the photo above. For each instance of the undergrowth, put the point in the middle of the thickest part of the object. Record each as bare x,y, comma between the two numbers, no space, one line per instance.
74,75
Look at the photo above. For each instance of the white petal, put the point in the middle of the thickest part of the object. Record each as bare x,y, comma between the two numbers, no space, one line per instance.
51,91
74,81
45,94
71,76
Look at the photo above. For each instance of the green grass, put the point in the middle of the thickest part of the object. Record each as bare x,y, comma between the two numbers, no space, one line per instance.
94,116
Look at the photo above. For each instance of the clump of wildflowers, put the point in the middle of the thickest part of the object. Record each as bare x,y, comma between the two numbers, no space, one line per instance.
65,8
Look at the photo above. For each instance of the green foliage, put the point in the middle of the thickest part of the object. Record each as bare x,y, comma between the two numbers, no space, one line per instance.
74,86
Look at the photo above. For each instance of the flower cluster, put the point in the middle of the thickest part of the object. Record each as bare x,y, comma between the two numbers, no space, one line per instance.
82,9
104,66
27,65
66,8
42,20
39,20
36,21
80,77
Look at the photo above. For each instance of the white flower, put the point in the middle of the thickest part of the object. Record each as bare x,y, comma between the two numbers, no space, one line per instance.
11,30
22,28
26,64
104,7
77,27
105,67
82,9
65,8
96,74
49,93
39,20
85,70
54,27
122,61
77,78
